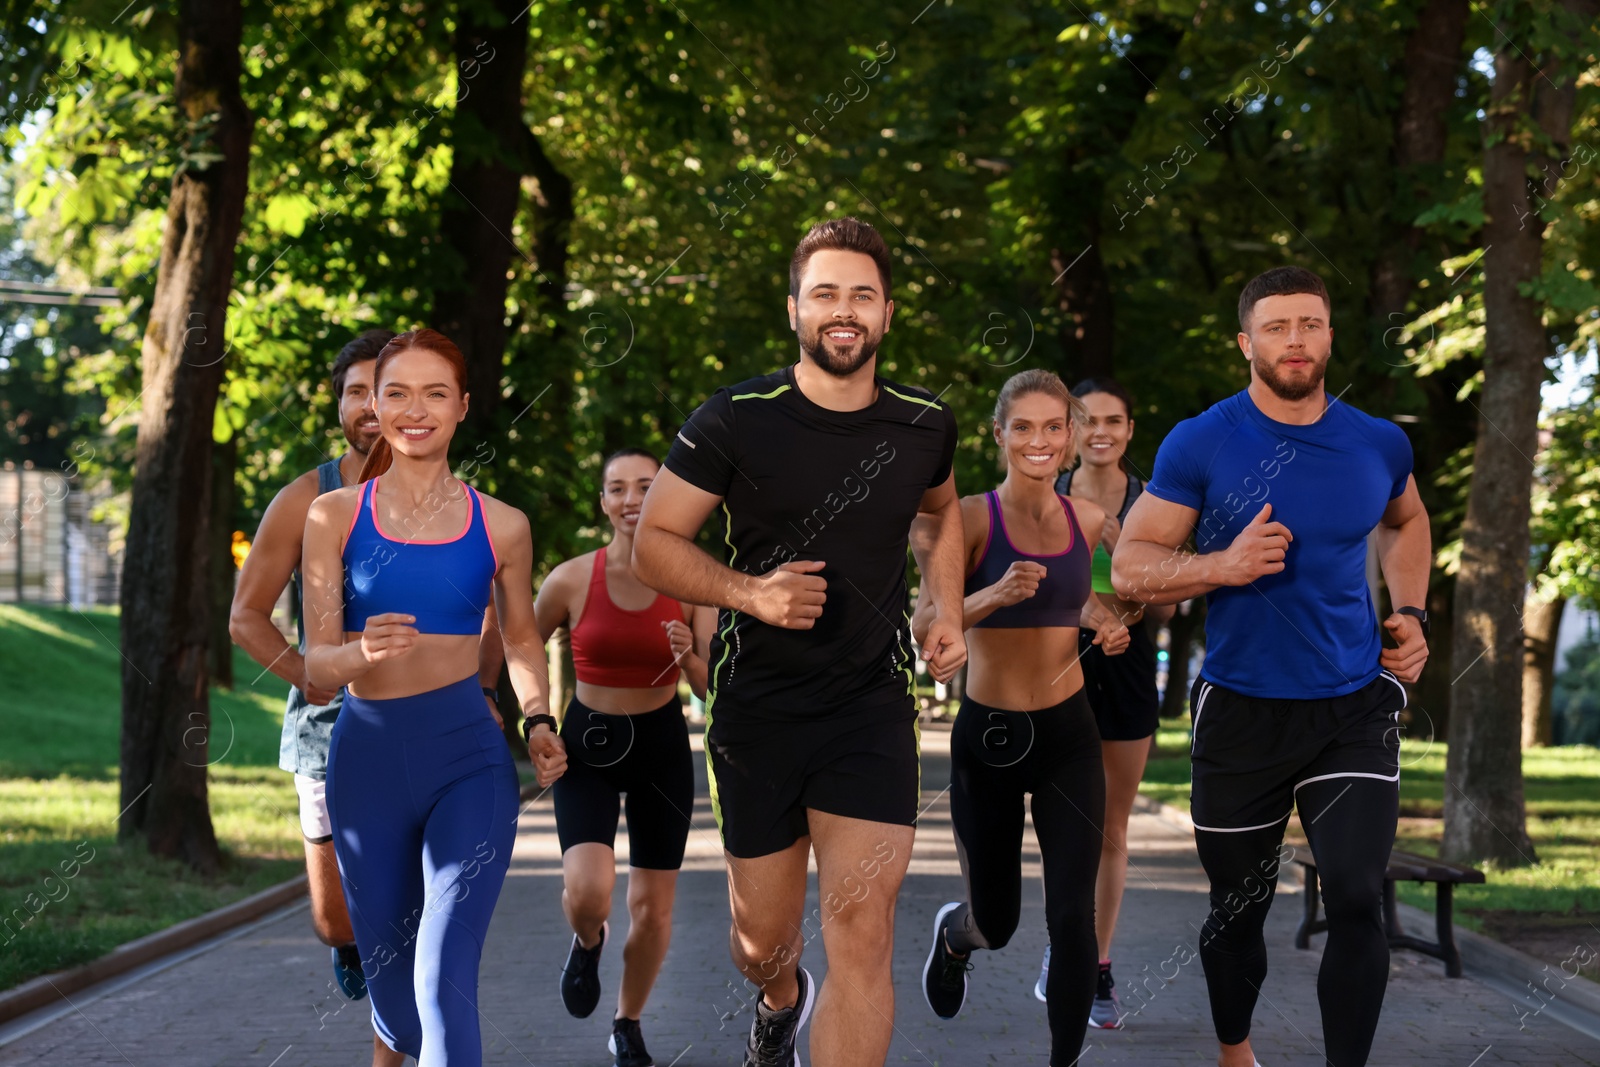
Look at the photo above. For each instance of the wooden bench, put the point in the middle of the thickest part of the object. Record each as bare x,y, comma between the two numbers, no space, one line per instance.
1403,867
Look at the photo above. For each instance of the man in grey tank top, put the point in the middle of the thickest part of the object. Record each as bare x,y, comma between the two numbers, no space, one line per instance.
273,562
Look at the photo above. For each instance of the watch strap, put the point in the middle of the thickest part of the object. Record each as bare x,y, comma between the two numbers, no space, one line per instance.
1419,614
532,721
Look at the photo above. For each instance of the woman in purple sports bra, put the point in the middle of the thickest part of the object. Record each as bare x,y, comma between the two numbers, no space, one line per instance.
1025,726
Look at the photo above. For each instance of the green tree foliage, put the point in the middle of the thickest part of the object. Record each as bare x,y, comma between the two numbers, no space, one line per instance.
1205,142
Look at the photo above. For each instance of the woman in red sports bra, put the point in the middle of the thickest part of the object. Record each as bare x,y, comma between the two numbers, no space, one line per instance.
625,735
1025,727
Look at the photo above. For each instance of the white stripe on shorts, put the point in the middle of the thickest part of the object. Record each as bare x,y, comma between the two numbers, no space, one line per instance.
1242,829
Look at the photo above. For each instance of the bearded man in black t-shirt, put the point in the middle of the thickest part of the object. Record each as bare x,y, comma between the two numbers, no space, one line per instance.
818,470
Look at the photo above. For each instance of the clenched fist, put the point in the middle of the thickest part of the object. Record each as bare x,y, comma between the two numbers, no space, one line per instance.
1020,581
548,753
679,638
388,636
1259,550
790,595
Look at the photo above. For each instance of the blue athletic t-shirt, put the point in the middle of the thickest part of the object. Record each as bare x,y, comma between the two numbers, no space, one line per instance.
1308,631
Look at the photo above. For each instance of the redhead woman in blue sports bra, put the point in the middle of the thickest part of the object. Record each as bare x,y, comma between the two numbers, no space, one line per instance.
1024,726
421,791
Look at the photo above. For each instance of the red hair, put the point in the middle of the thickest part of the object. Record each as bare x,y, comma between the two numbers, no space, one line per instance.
382,457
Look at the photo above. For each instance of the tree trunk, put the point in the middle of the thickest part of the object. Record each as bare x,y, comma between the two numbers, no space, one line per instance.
488,141
1428,714
1484,813
1081,285
1541,619
1180,646
551,192
166,621
1083,299
1432,63
224,463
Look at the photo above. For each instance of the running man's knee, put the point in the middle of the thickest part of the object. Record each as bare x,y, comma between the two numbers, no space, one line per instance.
1237,917
864,925
1351,896
762,955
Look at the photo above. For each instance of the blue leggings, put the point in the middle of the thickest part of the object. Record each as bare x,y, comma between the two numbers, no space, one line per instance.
423,800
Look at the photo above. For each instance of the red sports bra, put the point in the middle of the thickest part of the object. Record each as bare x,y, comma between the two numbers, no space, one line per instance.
624,649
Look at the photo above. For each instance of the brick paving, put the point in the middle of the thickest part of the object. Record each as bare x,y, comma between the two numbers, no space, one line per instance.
264,998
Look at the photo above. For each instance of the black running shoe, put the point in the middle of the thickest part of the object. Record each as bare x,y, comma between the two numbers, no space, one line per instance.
944,976
773,1034
580,978
347,972
627,1044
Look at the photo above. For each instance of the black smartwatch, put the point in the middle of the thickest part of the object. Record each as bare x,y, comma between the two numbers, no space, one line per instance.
1416,613
492,694
534,720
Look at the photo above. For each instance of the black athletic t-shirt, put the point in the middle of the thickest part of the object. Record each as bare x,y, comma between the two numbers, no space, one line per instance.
800,482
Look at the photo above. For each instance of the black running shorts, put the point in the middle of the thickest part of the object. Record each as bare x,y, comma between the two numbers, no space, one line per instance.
861,763
1121,688
1250,754
644,757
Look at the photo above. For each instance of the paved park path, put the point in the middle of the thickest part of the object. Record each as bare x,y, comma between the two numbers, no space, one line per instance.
264,998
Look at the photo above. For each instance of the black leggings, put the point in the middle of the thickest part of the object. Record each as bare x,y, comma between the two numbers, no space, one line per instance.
1349,822
997,757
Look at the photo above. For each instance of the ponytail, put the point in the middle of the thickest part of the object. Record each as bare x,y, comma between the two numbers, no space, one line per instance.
379,459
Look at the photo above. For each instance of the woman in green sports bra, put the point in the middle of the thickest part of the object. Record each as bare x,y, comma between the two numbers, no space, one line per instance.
1121,689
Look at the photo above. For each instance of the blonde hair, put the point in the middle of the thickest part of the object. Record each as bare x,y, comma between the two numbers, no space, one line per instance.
1048,383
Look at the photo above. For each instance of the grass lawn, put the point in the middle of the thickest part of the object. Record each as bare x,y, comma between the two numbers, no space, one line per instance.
69,892
1543,908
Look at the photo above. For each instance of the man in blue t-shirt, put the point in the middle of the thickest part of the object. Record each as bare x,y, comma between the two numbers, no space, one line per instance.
1297,702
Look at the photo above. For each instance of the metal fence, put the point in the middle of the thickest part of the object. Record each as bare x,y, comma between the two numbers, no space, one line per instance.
52,550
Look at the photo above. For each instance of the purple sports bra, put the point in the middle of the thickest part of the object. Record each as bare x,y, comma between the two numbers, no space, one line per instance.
1061,594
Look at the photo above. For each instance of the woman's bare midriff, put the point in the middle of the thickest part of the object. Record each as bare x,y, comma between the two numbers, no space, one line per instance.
1023,669
613,700
435,661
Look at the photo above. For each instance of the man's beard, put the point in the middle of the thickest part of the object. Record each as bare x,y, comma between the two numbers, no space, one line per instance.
840,365
359,440
1284,388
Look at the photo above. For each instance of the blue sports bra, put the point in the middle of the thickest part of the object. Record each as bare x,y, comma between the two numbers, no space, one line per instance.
445,584
1061,594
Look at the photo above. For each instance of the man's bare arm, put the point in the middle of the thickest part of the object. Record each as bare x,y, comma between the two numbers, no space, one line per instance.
1150,566
1405,548
666,559
1405,554
665,556
939,548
